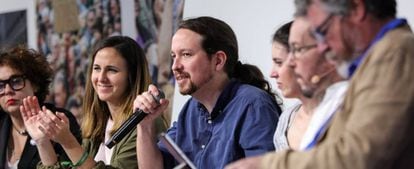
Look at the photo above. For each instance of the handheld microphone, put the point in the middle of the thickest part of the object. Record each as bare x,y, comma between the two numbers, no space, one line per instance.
131,122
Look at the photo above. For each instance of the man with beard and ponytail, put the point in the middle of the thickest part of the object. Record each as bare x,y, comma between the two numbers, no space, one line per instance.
232,113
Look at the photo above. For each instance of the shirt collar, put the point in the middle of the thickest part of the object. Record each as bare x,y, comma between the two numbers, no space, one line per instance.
225,97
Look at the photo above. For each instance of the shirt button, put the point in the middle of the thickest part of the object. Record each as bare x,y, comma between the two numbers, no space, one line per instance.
203,146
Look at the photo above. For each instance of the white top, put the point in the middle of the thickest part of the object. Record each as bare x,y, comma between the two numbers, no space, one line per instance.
104,153
285,121
12,166
330,103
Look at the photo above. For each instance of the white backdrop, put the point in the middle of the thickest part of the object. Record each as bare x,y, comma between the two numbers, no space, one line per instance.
254,23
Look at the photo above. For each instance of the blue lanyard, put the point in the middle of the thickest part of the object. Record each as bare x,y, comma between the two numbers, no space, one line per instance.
389,26
354,65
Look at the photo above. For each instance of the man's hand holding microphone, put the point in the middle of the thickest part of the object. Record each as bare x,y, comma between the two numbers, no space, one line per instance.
148,106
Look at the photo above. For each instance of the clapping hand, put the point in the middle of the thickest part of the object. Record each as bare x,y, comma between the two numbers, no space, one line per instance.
30,111
55,126
43,124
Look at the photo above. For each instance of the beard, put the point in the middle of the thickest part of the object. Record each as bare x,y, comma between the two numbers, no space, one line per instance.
306,88
190,86
340,63
342,69
308,91
188,89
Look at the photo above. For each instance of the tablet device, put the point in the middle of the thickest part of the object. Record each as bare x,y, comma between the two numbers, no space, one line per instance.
177,153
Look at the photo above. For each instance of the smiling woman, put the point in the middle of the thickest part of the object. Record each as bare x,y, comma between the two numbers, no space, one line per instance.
109,75
118,71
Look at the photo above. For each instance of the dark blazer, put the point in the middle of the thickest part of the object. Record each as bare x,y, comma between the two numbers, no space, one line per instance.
30,157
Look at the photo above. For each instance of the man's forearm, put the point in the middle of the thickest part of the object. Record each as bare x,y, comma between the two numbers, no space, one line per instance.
148,154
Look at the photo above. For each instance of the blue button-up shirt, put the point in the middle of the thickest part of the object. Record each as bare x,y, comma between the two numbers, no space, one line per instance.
241,124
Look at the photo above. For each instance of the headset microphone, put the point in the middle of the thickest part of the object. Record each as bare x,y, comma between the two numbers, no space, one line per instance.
315,79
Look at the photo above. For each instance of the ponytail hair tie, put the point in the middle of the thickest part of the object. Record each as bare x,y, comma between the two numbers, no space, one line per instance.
239,64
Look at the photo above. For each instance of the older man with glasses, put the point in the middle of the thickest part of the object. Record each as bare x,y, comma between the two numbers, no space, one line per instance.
374,49
317,78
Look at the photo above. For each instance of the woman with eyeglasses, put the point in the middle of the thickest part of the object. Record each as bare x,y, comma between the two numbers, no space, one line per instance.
23,73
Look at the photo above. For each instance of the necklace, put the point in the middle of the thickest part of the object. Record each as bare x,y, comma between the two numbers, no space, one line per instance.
22,132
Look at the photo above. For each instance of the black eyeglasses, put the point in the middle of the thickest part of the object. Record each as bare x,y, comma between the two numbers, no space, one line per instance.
16,82
320,32
300,50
